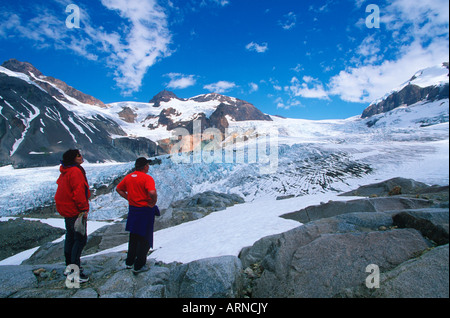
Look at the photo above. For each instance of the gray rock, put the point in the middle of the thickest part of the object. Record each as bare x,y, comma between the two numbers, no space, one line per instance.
196,207
328,257
17,235
48,253
333,262
104,238
102,266
154,291
86,293
120,285
330,209
254,254
218,277
407,186
432,223
424,277
44,293
15,278
152,284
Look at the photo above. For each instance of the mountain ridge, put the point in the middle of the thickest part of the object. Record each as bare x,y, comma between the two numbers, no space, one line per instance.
42,116
36,127
46,83
427,84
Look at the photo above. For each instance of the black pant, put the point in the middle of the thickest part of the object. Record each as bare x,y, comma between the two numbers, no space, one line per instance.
138,247
74,243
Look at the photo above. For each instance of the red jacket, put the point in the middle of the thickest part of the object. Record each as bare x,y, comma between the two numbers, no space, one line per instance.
73,193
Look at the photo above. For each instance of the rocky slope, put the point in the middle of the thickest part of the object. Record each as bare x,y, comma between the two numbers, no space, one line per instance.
326,257
42,116
53,86
40,119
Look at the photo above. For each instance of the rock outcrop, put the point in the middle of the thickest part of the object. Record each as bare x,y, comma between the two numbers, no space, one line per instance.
17,235
196,207
207,278
329,257
374,252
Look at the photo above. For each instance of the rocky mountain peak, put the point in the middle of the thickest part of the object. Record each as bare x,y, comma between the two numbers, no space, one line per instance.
21,67
429,84
50,84
163,96
214,96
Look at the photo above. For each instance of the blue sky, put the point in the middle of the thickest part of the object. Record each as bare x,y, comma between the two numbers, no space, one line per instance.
315,59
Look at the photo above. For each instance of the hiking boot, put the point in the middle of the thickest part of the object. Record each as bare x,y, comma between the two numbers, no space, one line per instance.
141,270
83,278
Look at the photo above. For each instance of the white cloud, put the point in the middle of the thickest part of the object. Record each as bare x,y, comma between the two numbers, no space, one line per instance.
180,81
41,28
289,21
370,82
146,42
369,50
359,3
298,68
420,36
220,87
257,47
253,87
310,88
290,103
222,2
203,3
140,41
423,19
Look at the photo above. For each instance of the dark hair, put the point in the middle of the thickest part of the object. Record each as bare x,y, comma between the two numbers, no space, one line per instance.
140,163
69,157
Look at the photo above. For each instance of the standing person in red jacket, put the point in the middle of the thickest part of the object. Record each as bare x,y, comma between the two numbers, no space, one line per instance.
72,198
138,188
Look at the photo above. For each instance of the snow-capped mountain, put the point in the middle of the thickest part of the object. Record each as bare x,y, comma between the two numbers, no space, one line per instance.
55,87
429,84
42,116
165,112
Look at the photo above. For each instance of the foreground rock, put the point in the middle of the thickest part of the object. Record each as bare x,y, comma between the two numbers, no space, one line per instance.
330,209
406,237
196,207
331,255
17,235
207,278
218,277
